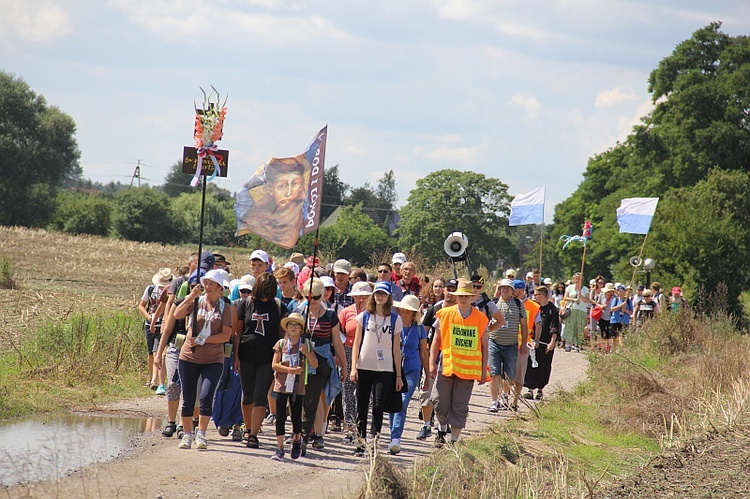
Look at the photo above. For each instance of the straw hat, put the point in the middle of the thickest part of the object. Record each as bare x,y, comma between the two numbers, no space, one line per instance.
465,288
609,287
293,317
163,277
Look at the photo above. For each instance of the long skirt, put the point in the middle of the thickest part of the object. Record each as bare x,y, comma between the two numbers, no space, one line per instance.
574,326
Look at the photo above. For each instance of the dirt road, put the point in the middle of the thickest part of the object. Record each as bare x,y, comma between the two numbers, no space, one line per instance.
154,467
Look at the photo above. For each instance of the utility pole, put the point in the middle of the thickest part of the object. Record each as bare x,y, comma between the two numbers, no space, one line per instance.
136,174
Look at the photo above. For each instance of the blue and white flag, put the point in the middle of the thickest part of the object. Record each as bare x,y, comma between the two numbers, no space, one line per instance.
527,209
635,214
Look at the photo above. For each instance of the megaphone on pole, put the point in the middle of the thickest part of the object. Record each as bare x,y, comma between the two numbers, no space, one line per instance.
455,245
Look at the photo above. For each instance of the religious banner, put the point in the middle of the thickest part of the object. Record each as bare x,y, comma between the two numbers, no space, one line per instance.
281,201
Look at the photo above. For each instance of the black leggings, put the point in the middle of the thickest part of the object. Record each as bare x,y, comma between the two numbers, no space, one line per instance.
296,403
315,384
379,383
189,374
256,380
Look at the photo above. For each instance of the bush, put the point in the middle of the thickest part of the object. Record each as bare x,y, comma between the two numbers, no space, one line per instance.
82,213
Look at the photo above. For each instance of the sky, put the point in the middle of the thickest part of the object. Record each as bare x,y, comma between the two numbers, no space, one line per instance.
523,91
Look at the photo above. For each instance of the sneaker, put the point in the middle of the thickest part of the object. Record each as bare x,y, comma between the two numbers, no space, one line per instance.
187,441
567,348
223,431
425,432
503,405
539,394
318,442
169,429
161,390
529,395
236,434
200,441
439,439
270,420
349,438
278,455
359,452
395,446
493,407
296,449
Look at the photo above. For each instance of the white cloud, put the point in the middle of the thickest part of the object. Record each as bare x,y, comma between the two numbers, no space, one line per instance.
615,96
182,20
529,103
32,20
456,9
462,155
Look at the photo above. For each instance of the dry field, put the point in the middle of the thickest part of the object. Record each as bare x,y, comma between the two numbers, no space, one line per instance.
59,274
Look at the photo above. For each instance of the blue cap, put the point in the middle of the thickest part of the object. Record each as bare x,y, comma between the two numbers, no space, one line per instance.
383,286
519,284
193,279
207,260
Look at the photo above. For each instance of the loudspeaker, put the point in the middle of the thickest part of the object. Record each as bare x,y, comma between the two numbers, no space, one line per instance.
635,261
455,244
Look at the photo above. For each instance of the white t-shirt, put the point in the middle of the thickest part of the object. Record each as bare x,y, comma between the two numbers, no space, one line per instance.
376,353
572,293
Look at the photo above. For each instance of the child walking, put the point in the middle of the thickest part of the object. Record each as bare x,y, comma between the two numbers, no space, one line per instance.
291,357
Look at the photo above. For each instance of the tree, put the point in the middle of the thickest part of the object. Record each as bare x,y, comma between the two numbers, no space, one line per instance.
354,236
446,201
145,214
38,154
216,230
176,182
698,132
82,213
334,192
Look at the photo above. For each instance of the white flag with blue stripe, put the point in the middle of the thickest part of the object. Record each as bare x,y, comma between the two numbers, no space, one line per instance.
528,209
635,214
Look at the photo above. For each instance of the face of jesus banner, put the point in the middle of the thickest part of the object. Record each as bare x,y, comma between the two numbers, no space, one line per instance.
281,201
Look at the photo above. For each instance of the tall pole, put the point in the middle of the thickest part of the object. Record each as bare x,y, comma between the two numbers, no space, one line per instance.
640,259
541,245
200,251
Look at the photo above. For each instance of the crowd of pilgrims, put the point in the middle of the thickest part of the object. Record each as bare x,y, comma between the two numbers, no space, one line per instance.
329,347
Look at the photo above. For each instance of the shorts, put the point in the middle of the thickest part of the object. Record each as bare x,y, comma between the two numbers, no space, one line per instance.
451,396
152,339
503,360
614,329
256,380
424,395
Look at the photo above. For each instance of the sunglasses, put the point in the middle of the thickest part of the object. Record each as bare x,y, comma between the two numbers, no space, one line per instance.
316,297
383,271
245,291
478,286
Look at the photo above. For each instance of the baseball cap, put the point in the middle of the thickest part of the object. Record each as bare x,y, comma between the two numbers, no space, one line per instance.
398,258
510,273
342,267
529,274
452,283
259,255
207,260
477,278
382,286
246,282
293,266
676,290
327,281
361,288
519,284
547,281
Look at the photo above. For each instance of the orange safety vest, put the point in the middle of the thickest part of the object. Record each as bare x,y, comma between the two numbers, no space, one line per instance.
532,308
461,342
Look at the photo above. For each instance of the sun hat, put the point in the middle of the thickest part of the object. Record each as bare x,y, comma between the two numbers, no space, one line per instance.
259,255
293,317
361,288
609,287
409,302
163,277
246,282
342,267
398,258
312,263
507,283
297,258
218,276
382,286
327,281
547,281
510,273
465,288
221,258
519,284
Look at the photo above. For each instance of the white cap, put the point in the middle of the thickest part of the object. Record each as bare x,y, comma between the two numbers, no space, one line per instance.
259,255
529,274
361,288
293,266
327,281
399,258
547,281
246,282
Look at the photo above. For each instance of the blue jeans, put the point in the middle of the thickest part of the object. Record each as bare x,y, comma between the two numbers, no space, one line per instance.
398,420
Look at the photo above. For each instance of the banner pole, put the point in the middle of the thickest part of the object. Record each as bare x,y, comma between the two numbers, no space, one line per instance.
305,332
541,245
200,250
635,268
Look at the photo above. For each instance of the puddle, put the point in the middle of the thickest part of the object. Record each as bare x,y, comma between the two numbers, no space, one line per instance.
48,447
